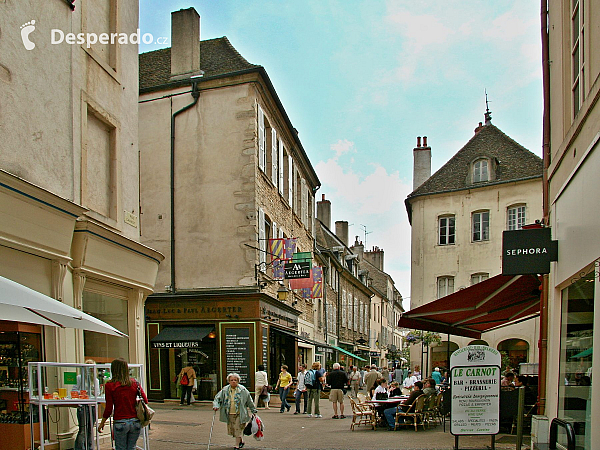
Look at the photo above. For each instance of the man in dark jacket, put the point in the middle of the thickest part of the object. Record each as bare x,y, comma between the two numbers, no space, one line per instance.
338,380
390,413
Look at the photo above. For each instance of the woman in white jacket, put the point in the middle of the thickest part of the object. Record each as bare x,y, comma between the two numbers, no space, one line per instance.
260,381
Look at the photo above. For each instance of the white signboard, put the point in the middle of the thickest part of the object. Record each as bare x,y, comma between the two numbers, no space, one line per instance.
475,378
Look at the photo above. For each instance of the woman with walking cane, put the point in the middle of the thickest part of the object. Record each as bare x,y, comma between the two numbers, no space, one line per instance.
234,400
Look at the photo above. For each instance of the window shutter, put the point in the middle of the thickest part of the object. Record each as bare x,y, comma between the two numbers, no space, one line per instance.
275,231
261,139
281,233
274,171
262,244
295,204
290,181
280,159
304,201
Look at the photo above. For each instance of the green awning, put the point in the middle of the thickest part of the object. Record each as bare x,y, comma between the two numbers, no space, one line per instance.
339,349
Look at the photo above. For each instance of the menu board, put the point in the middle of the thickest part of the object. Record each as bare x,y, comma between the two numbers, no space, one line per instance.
265,342
237,353
475,387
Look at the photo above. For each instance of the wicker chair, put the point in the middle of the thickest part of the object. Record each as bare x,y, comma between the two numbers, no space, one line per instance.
362,398
362,415
414,412
429,411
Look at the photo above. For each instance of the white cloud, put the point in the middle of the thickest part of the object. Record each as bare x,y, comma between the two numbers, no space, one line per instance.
342,146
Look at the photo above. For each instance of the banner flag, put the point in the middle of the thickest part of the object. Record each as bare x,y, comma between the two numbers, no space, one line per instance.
276,248
317,290
289,248
305,293
301,283
278,269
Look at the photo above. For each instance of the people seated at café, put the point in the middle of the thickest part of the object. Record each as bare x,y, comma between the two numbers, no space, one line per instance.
508,381
390,413
395,390
409,381
381,393
429,387
530,394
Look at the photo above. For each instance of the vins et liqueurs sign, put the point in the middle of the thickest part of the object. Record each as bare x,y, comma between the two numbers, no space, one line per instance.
475,377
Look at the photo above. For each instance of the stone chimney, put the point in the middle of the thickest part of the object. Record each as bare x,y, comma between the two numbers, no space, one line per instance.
324,211
479,127
375,257
422,162
358,248
185,43
341,231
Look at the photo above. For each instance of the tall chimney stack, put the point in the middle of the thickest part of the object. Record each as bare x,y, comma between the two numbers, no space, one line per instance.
341,231
324,211
185,43
422,162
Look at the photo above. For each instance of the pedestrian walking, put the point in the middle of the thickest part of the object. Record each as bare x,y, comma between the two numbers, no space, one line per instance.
371,377
261,383
121,400
186,380
301,390
355,381
283,383
398,375
313,379
234,401
338,380
385,373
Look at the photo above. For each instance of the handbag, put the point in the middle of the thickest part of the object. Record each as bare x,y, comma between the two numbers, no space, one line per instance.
381,396
184,380
248,429
143,411
264,392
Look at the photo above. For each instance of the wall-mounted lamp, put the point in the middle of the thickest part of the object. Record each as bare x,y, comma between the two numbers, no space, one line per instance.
212,334
282,293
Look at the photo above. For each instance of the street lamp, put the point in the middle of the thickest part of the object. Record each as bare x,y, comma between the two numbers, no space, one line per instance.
282,293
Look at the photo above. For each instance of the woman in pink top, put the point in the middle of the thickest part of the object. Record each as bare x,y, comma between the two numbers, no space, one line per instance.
121,396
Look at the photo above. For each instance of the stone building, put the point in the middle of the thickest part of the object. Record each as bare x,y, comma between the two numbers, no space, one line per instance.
457,216
69,186
223,171
572,156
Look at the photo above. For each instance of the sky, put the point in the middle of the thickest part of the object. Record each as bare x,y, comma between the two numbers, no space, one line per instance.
360,80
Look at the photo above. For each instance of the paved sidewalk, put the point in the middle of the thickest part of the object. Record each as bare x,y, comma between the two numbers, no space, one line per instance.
187,427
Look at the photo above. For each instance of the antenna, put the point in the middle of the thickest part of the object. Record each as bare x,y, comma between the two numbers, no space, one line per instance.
488,113
364,227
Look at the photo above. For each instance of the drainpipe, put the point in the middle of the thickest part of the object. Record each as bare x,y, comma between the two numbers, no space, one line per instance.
195,95
543,342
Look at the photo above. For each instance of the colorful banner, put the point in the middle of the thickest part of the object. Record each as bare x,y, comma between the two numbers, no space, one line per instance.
278,269
289,248
301,283
277,249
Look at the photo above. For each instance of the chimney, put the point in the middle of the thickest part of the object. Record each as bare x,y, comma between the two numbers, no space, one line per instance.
185,43
479,127
324,211
422,162
341,231
358,248
375,257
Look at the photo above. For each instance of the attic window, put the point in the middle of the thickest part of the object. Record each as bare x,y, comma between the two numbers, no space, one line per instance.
481,171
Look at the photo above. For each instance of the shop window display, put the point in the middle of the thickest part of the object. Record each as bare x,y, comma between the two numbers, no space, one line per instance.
575,381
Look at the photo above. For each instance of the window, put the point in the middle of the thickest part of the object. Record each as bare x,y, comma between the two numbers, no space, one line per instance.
576,356
577,54
446,230
516,217
481,226
479,277
480,171
112,310
262,138
264,231
445,286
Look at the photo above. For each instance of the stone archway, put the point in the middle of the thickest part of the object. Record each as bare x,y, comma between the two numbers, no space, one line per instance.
516,349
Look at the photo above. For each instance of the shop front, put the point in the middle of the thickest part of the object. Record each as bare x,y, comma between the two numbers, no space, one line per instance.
218,334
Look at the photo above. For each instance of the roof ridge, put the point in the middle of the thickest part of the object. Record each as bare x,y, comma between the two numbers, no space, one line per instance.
228,42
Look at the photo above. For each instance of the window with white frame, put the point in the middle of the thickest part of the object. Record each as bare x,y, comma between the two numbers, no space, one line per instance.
446,230
479,277
262,140
344,307
445,286
481,171
577,54
516,217
481,226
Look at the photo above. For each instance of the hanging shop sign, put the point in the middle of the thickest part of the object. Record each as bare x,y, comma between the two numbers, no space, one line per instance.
475,377
528,251
295,270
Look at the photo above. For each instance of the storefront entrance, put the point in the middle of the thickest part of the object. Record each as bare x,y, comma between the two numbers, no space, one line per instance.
282,350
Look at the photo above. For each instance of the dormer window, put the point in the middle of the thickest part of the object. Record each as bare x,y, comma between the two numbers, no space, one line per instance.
481,171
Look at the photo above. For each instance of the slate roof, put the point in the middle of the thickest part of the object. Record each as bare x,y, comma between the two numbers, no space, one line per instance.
217,57
514,163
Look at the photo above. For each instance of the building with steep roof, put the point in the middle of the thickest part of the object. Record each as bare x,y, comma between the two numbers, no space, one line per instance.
222,171
457,217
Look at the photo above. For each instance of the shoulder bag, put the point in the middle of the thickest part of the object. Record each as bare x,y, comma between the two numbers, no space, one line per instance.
144,412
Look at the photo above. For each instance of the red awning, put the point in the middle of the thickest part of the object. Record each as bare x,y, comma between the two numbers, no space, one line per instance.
498,301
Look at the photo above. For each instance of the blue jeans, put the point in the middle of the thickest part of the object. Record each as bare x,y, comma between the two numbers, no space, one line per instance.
86,415
283,392
298,396
126,432
390,416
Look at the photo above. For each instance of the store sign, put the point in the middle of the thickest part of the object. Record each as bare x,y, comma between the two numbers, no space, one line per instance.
189,344
475,377
528,251
295,270
237,353
191,310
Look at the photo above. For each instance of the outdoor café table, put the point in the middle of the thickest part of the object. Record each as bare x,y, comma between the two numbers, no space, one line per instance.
384,404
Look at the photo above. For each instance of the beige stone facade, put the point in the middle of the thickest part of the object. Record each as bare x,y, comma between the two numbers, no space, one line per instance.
573,206
69,187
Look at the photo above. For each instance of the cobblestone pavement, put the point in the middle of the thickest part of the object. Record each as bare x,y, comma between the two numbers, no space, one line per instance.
187,427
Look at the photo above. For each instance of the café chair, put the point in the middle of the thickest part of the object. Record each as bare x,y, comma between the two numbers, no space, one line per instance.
414,412
362,415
